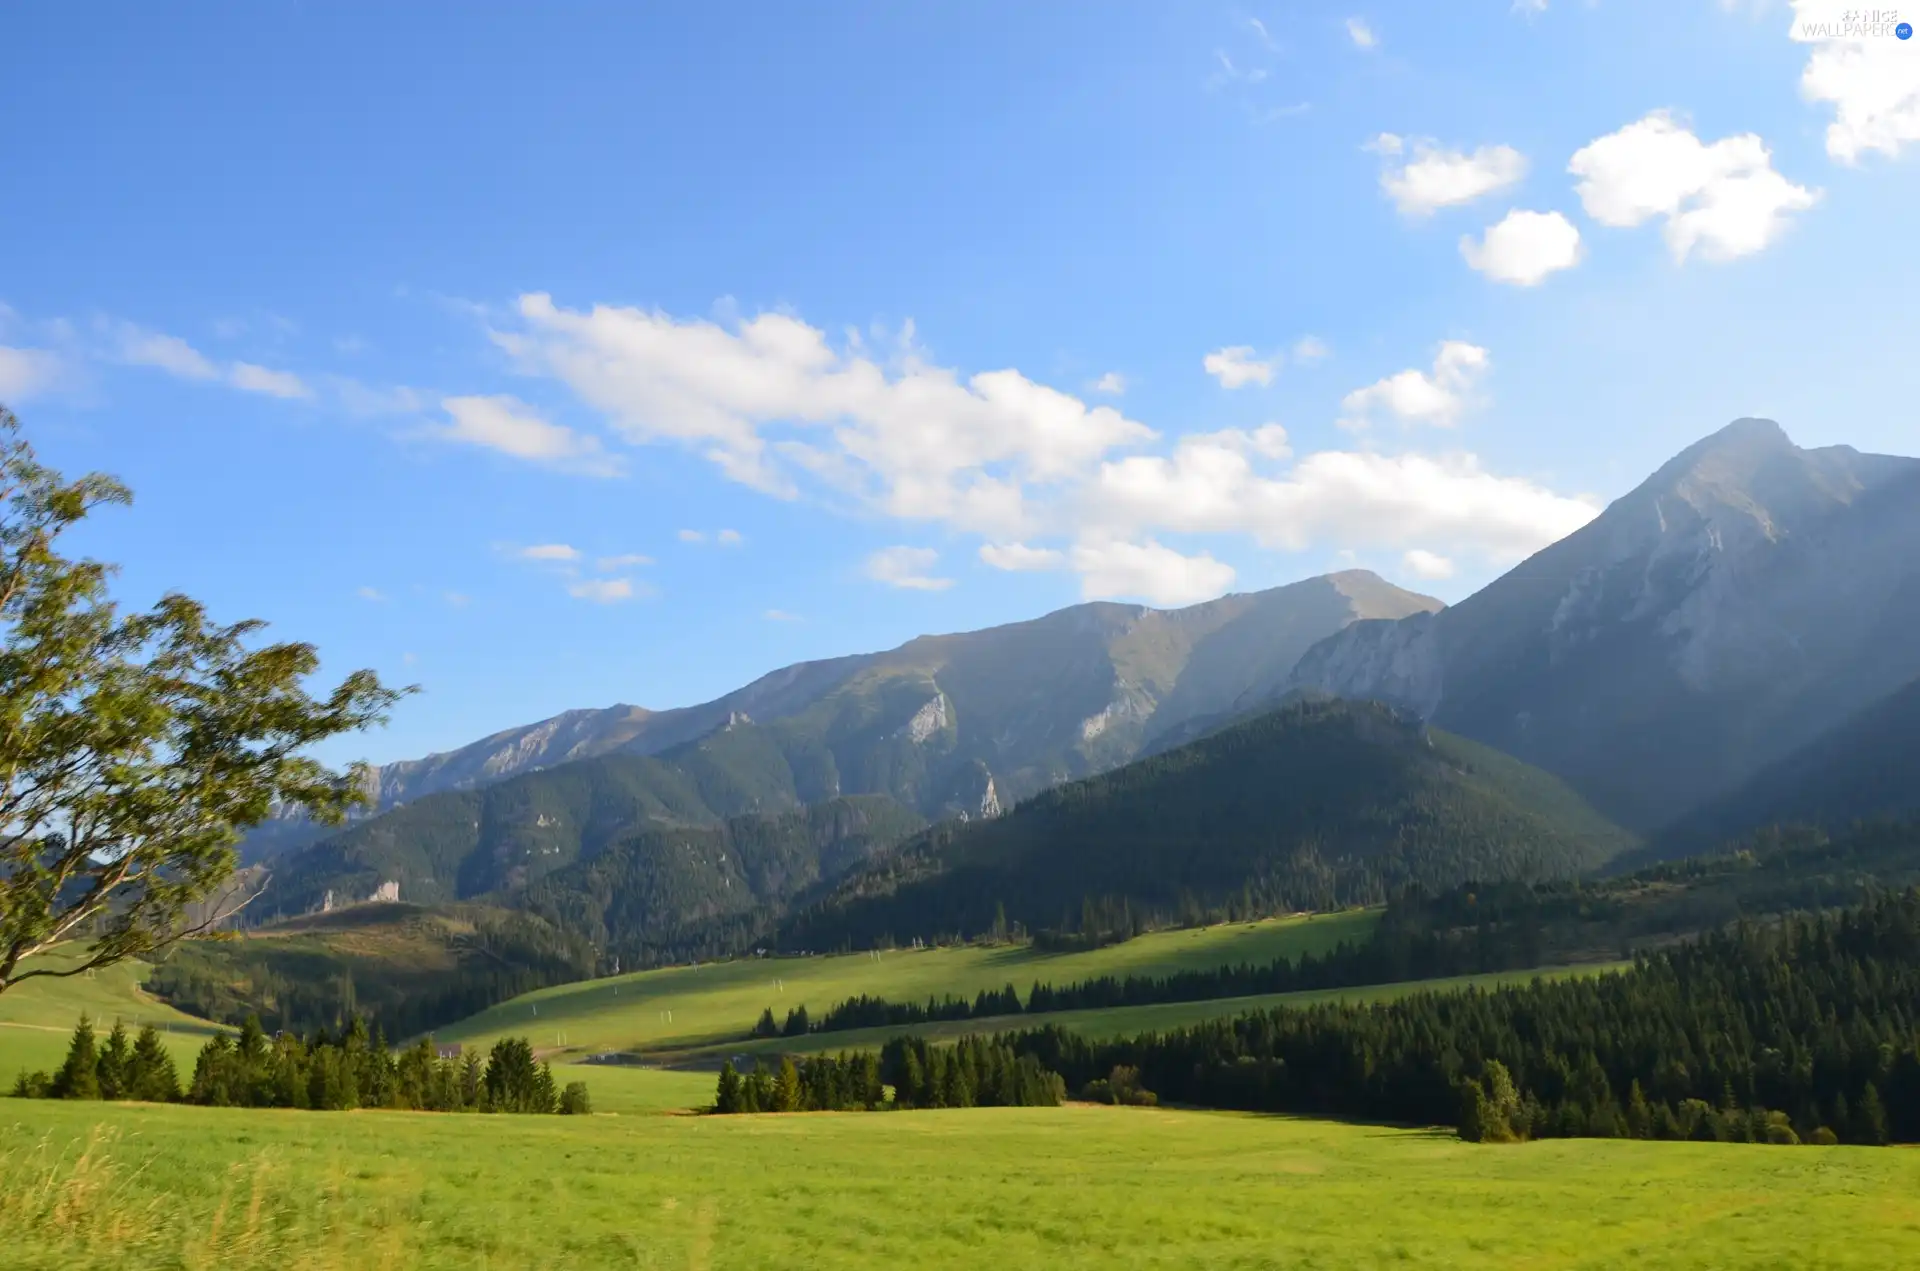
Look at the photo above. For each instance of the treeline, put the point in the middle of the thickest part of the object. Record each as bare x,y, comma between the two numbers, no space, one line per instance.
976,1072
1800,1030
324,1072
1417,938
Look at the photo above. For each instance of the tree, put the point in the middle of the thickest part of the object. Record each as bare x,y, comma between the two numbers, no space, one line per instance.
151,1076
114,1058
786,1087
765,1025
726,1096
575,1101
79,1076
135,748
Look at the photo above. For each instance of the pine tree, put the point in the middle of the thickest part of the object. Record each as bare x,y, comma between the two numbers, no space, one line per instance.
726,1098
151,1076
786,1087
114,1058
79,1076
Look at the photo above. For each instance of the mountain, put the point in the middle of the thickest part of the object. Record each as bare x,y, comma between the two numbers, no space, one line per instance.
949,724
1316,805
1744,599
1867,768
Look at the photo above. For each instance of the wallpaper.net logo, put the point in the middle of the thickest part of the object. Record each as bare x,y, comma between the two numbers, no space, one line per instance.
1837,22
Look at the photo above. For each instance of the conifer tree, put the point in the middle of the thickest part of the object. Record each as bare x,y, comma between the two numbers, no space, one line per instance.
151,1076
79,1076
726,1097
114,1058
786,1087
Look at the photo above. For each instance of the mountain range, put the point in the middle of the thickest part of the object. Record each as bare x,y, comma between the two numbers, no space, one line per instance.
1745,599
947,725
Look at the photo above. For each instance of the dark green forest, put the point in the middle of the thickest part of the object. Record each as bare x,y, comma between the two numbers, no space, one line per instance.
330,1072
1319,805
1796,1030
975,1072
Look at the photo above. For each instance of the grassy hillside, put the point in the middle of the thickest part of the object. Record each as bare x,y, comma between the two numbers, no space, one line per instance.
1060,1187
718,1002
1314,806
37,1017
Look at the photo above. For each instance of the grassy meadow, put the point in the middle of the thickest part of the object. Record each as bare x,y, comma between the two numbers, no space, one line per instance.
37,1017
130,1186
681,1008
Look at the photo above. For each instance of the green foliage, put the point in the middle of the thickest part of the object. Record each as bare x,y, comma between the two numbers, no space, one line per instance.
136,747
1369,804
1733,1037
576,1100
1122,1087
975,1072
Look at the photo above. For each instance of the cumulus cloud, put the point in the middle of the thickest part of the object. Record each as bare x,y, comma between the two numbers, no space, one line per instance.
1724,199
770,399
1424,564
548,552
1524,248
26,372
906,567
1019,558
1869,78
1362,34
1416,397
1113,384
1157,574
259,379
1422,176
510,426
1359,499
602,591
1236,367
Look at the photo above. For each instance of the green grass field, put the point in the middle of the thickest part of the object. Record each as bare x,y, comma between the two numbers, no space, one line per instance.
683,1007
102,1186
37,1017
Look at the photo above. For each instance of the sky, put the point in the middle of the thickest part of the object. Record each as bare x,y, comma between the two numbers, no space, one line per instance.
563,355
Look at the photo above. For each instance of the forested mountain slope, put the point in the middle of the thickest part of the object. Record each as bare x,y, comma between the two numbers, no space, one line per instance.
1316,805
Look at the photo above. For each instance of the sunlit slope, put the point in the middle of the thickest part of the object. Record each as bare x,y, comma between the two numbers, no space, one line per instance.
38,1015
720,1001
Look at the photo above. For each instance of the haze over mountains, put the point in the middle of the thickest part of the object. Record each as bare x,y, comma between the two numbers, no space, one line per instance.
1743,600
948,725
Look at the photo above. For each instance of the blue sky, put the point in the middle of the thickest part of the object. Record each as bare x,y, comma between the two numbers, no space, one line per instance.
561,355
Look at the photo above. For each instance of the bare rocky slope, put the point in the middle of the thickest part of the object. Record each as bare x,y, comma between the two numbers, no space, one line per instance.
1746,598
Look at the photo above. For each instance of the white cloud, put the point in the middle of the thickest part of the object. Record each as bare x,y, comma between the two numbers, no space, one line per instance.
549,552
607,564
906,567
1018,557
692,536
729,538
1113,384
780,615
1424,564
1215,484
511,427
769,401
1524,247
1309,349
366,401
1361,34
26,372
1416,397
1435,177
602,591
1724,198
258,379
1237,367
1529,8
371,593
1154,573
167,353
1870,78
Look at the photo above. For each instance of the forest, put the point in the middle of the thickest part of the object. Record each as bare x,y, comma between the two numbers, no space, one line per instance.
1798,1030
353,1068
975,1072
